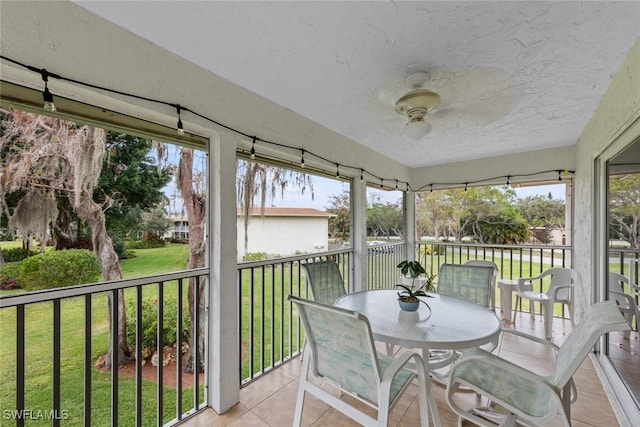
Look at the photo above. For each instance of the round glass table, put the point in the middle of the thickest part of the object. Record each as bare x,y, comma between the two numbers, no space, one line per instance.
447,324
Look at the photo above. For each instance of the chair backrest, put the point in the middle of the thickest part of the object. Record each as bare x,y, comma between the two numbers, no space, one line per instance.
486,263
617,282
561,277
341,346
325,281
598,319
626,304
472,283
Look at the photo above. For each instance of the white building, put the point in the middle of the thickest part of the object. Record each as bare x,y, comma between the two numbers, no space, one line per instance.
284,231
274,231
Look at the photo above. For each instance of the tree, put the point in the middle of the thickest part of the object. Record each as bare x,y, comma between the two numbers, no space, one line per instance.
340,224
258,181
385,219
480,212
624,208
129,185
131,182
541,211
190,184
155,222
48,158
432,214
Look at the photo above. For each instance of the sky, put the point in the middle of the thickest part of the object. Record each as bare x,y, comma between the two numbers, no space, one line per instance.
325,188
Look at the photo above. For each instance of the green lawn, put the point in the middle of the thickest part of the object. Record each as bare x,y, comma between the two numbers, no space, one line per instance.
279,334
38,351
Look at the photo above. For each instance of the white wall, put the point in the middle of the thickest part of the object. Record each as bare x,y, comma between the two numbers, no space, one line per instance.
614,124
617,111
284,235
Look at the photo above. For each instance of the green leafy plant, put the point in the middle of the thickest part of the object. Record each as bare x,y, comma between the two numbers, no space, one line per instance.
414,270
54,269
150,322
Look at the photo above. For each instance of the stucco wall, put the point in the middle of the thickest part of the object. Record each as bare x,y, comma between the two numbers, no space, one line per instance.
619,108
284,235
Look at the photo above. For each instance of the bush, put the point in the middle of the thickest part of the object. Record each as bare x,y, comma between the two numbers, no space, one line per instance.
55,269
120,248
178,240
431,249
150,322
17,254
146,244
9,276
255,256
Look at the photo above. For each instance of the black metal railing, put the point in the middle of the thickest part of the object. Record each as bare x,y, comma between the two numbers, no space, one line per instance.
78,393
513,261
383,260
270,331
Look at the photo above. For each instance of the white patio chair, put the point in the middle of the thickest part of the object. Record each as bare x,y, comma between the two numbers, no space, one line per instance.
560,292
526,396
325,280
494,278
340,350
626,301
617,283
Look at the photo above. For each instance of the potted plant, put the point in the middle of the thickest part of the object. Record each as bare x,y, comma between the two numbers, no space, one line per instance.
408,296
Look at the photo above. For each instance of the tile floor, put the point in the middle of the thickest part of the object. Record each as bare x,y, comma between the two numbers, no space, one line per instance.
270,401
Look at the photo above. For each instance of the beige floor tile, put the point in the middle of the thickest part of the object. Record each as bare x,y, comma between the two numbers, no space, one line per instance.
249,420
270,401
261,389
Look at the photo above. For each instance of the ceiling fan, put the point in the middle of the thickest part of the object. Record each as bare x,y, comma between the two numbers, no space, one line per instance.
416,103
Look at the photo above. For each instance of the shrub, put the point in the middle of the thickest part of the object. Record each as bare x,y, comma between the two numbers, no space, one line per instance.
150,322
146,244
120,248
178,240
55,269
255,256
17,254
431,249
9,276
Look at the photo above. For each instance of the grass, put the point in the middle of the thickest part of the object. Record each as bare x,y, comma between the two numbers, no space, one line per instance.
38,352
269,330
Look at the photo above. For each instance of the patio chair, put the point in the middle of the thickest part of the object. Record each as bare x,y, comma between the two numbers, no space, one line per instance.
494,279
626,302
524,395
340,350
469,282
617,282
472,283
325,281
560,292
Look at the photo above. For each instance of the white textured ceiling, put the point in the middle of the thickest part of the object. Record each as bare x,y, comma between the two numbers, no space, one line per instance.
513,76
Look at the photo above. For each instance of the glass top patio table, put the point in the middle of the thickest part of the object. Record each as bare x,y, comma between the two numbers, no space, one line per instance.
453,324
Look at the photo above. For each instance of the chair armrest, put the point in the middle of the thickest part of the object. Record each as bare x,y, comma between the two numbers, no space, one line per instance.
525,284
554,294
396,366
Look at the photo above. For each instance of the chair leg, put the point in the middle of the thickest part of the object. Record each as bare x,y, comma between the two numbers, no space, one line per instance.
303,379
547,313
515,311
